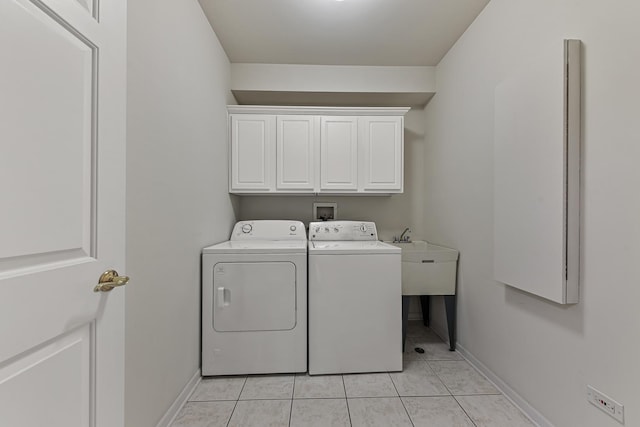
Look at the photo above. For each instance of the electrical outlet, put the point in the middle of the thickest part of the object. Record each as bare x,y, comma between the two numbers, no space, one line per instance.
605,403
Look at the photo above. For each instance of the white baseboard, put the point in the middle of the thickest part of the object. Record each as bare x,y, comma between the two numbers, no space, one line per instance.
531,412
177,404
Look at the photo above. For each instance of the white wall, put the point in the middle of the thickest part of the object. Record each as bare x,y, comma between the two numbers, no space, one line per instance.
177,200
546,352
332,78
391,213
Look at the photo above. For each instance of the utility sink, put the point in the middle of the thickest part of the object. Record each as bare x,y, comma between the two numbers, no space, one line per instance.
427,269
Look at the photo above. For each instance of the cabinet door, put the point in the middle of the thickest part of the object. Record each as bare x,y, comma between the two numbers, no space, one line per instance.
253,161
339,153
296,153
381,154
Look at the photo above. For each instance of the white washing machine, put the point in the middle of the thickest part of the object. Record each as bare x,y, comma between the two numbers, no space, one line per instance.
254,300
355,300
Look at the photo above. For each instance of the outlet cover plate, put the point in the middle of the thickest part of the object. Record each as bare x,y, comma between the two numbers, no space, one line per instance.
605,403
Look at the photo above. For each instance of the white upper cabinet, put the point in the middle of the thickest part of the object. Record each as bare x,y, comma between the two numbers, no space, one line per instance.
253,153
316,150
296,153
380,152
339,153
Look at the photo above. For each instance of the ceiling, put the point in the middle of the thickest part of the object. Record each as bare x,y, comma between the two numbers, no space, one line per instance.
348,32
332,32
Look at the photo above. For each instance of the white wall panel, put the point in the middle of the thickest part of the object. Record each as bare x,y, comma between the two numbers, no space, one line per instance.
534,146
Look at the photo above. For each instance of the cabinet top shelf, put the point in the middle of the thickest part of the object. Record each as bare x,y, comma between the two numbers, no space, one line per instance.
327,111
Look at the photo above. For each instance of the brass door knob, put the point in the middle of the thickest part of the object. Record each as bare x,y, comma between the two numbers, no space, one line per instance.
110,280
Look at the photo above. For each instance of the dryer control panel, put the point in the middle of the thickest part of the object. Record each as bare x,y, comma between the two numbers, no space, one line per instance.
268,230
343,230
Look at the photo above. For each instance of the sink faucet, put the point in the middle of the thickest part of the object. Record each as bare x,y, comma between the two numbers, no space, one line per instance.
403,238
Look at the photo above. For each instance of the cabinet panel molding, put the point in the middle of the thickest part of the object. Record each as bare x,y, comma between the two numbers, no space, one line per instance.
252,153
381,153
339,153
296,153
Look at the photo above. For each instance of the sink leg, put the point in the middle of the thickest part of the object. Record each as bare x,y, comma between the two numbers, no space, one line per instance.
424,303
450,306
405,318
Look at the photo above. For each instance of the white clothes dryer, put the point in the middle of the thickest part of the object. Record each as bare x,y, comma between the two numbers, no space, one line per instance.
355,300
254,300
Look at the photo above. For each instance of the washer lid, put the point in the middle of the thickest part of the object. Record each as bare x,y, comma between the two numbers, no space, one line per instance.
258,247
351,248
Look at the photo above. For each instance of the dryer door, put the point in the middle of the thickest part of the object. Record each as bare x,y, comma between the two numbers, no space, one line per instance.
254,296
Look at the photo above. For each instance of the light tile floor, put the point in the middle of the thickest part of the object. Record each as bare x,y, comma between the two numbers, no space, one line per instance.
437,388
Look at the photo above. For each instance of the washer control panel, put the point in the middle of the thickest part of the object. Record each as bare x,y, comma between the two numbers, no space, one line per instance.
269,230
343,230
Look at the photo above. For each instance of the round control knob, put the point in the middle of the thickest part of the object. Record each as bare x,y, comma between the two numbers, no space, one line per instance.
363,227
326,229
246,228
335,229
292,228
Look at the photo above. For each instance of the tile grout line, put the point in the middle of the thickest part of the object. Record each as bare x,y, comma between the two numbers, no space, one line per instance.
293,390
439,379
400,397
474,370
327,398
477,394
432,373
277,398
453,395
290,410
237,400
450,393
465,411
346,399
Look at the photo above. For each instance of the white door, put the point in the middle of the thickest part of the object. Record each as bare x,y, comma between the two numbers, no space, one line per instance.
62,142
339,153
381,151
296,151
253,153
